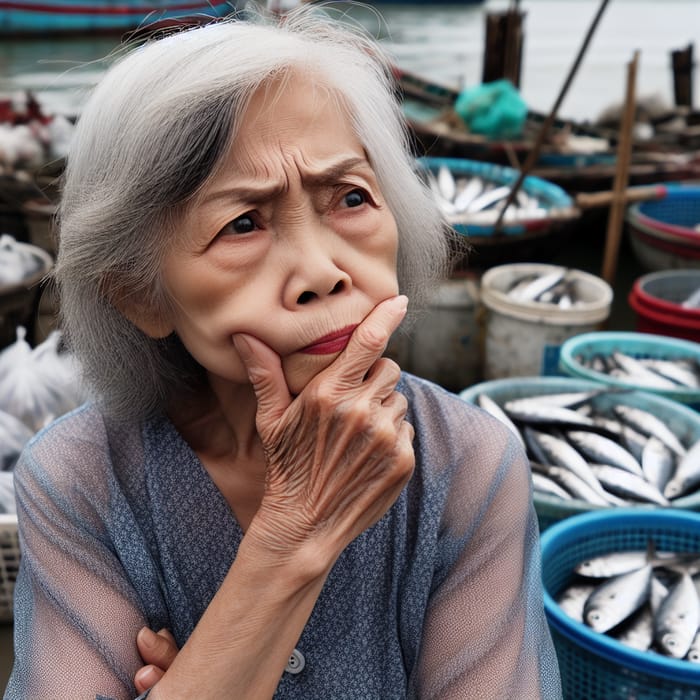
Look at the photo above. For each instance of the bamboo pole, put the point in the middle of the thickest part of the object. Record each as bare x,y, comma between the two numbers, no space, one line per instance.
624,154
544,129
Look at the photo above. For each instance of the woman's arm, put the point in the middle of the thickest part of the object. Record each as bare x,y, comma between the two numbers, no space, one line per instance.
485,635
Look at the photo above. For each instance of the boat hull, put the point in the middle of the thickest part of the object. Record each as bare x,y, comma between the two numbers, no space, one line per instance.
51,17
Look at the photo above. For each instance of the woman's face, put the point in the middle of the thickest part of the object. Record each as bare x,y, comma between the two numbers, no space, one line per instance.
291,242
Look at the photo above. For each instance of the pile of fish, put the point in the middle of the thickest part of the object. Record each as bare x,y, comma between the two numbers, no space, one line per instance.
557,287
622,455
474,200
646,600
650,372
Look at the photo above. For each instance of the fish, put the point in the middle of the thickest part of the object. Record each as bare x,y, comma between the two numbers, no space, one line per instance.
693,654
573,598
638,630
559,452
489,405
543,484
603,450
538,411
657,463
639,374
647,423
616,563
575,485
446,183
682,373
617,598
539,285
623,483
678,618
686,475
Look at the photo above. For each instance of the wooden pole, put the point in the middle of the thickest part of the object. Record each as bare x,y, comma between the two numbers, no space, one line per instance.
682,61
624,154
544,129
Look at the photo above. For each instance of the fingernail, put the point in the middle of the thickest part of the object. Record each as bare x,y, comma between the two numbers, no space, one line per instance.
147,676
147,637
400,302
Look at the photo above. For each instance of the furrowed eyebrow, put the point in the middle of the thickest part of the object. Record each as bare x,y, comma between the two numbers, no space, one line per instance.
263,193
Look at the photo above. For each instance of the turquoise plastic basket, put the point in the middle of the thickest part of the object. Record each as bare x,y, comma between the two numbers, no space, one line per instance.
684,422
588,345
595,666
551,196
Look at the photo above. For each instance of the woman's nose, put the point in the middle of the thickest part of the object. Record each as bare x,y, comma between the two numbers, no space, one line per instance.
314,271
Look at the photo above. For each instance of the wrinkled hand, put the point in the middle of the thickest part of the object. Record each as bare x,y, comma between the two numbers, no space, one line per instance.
339,453
158,650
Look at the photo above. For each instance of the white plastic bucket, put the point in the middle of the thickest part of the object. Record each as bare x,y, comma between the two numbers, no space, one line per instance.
443,343
523,338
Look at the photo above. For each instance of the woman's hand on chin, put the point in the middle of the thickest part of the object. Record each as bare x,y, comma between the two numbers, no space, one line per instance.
339,453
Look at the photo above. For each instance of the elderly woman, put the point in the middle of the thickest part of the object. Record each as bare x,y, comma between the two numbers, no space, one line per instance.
241,228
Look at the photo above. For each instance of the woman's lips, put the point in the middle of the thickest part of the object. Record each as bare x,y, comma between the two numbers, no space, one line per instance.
333,342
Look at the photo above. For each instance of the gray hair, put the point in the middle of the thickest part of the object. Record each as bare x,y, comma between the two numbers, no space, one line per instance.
153,132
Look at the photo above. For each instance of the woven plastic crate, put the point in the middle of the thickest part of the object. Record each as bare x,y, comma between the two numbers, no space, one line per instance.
683,421
551,197
581,348
595,666
9,564
678,212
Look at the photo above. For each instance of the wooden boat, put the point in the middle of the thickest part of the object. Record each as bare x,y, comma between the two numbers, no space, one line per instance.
20,18
577,157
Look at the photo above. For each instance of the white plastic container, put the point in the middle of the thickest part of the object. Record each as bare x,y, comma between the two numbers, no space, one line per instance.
444,343
523,338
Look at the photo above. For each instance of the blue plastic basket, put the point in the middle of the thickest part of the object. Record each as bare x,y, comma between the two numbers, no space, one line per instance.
551,196
683,421
680,208
585,346
595,666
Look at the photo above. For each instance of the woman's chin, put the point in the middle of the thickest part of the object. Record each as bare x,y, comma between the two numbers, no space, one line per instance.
300,370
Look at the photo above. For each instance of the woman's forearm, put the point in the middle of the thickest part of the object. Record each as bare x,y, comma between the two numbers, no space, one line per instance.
243,641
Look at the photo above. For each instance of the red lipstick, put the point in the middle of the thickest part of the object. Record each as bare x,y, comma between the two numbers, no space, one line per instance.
333,342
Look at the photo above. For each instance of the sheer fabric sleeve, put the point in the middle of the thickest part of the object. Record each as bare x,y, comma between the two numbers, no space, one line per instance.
76,615
485,634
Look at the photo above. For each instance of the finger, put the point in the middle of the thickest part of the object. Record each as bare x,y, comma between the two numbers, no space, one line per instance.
157,649
382,377
146,677
370,338
264,369
396,406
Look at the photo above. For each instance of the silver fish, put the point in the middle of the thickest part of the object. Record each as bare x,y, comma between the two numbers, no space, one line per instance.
543,484
692,301
623,483
560,453
677,372
466,195
657,463
649,424
604,450
639,374
687,474
537,411
617,598
576,486
616,563
678,618
446,183
573,598
693,654
489,405
488,198
638,631
539,285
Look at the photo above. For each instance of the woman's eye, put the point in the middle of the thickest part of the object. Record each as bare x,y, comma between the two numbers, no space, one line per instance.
355,198
241,224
